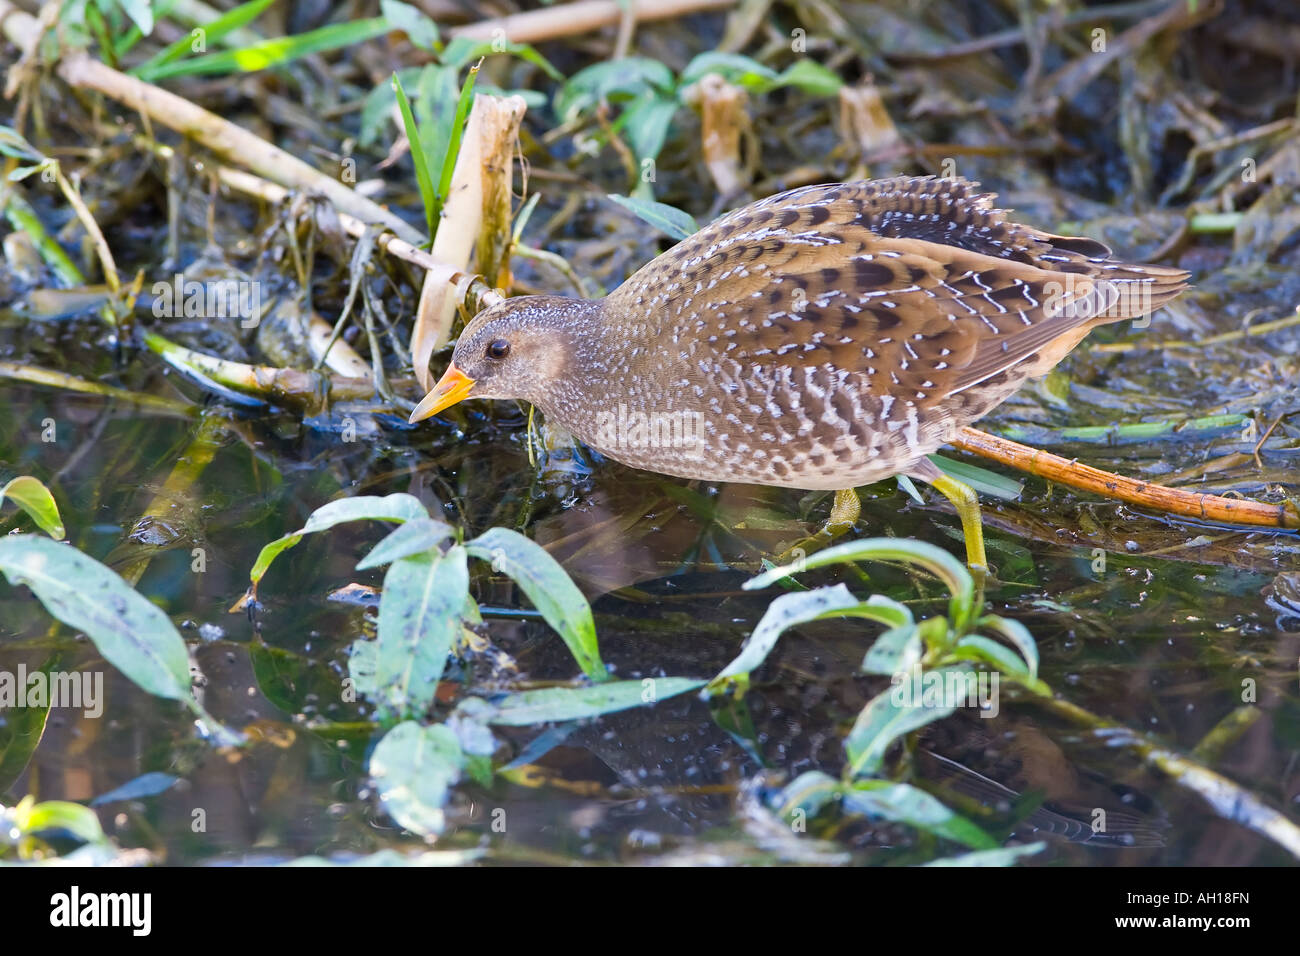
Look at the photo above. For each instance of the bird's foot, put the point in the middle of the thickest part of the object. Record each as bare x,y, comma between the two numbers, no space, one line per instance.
844,515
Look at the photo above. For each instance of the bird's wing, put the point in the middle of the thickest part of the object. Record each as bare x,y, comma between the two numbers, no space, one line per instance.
919,284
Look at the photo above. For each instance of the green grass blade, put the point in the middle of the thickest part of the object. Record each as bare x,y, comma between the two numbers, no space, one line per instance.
423,173
278,51
242,15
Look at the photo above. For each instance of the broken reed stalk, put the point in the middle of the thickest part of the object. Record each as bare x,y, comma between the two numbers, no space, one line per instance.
35,375
305,391
225,139
724,125
1241,511
274,194
477,207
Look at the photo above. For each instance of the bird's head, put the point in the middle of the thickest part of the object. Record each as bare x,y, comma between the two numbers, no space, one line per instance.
521,348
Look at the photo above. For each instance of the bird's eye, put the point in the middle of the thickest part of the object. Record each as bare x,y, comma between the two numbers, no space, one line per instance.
498,349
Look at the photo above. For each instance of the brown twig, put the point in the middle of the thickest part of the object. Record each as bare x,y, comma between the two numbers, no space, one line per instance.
567,19
1241,511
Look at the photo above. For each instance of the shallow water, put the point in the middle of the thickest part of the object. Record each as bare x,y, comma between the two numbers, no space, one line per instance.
1161,644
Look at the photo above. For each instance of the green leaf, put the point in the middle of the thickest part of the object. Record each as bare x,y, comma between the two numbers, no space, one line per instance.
13,144
898,649
213,32
19,173
278,51
395,507
575,703
886,718
1018,635
126,41
810,792
423,172
412,21
413,537
787,611
1002,856
437,94
982,649
413,769
533,99
646,121
732,67
669,220
935,560
550,589
614,80
904,803
419,621
21,216
35,499
378,103
981,479
134,635
21,731
32,817
140,12
811,77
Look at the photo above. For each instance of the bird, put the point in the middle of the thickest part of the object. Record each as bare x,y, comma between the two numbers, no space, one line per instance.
822,338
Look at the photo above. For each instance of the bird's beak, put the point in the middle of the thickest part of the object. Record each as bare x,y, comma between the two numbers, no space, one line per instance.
451,388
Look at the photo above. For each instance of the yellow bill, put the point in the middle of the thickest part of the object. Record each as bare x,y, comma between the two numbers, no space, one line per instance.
451,388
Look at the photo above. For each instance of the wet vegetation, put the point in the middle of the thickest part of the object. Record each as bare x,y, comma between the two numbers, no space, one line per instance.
239,240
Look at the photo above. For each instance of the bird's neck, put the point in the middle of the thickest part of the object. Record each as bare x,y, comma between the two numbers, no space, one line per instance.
606,357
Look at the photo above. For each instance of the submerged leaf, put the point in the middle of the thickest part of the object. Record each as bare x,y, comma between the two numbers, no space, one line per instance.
413,769
574,703
904,803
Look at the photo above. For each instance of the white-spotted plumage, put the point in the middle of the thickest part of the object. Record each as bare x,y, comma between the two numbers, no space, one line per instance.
828,336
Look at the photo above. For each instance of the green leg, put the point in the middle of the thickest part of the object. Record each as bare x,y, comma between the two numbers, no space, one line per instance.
967,503
844,515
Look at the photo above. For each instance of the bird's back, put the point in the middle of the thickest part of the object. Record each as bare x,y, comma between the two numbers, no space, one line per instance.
830,335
